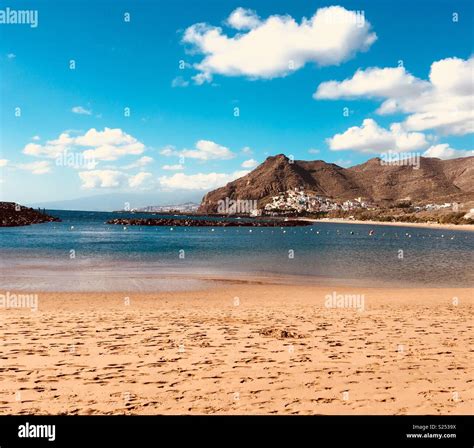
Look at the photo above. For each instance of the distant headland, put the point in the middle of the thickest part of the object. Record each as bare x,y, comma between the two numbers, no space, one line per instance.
13,215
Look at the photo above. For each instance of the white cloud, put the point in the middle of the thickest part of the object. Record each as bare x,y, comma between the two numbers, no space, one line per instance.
203,150
3,162
176,167
199,181
51,149
314,151
250,163
106,137
81,110
343,162
243,19
112,179
445,103
247,150
40,167
444,151
278,45
109,144
372,83
36,137
102,179
139,179
169,151
11,55
111,152
371,138
179,81
140,163
207,150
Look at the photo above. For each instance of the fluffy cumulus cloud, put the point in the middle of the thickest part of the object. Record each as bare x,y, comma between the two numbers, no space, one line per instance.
444,151
275,46
112,179
250,163
208,150
40,167
443,103
243,19
200,181
371,138
203,150
372,83
139,180
109,144
51,149
3,163
140,163
169,151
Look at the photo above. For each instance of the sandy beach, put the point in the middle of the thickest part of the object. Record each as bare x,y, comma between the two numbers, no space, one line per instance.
424,225
240,348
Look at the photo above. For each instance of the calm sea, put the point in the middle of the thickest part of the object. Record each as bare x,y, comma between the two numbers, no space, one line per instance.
84,253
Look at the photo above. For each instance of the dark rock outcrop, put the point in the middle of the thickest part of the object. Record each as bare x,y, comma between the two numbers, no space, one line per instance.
205,223
13,215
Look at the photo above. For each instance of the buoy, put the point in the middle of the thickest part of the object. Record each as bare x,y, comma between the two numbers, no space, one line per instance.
371,232
72,227
124,228
352,233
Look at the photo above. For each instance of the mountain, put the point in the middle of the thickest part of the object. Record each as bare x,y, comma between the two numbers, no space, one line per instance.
435,180
120,201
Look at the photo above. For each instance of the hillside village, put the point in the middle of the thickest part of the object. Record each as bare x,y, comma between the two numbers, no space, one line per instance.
301,201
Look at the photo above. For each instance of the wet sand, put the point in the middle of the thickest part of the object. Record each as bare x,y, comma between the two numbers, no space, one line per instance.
240,348
425,225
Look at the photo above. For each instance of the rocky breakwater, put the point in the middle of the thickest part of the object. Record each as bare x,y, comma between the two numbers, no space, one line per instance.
188,222
13,215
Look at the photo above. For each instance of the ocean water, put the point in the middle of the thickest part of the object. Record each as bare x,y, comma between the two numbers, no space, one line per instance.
84,253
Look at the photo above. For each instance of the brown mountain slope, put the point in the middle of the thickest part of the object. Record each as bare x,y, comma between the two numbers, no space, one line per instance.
436,180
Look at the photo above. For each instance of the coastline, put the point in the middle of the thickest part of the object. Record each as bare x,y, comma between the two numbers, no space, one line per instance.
240,348
465,227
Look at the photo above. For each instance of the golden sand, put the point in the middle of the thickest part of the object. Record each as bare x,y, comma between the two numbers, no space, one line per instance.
240,349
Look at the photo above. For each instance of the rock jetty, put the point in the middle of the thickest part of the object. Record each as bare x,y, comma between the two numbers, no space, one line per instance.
13,215
170,222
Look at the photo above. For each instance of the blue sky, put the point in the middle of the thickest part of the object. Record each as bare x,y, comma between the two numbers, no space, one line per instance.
182,132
